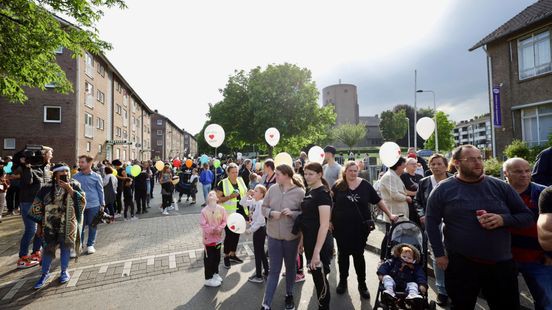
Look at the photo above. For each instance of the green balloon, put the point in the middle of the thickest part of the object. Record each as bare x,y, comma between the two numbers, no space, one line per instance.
135,170
216,163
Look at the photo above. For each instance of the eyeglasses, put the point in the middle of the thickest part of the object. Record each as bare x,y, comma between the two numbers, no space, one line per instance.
472,159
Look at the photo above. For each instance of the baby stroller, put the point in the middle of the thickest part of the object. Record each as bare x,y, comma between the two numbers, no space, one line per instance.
410,233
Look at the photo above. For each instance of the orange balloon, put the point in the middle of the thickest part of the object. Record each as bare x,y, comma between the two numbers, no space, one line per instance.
189,163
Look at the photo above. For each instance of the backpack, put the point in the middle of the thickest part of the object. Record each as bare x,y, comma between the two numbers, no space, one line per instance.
109,193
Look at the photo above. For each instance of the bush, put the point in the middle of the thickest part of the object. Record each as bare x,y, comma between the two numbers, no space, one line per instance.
534,151
520,149
493,167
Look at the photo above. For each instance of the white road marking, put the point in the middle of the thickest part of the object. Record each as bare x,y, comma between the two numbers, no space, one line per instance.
103,269
151,261
248,250
192,255
172,261
14,290
74,278
126,269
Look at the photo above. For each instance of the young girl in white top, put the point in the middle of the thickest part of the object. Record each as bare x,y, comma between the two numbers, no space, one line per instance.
254,201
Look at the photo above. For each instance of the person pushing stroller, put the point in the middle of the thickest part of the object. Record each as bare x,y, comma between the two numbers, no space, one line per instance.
403,272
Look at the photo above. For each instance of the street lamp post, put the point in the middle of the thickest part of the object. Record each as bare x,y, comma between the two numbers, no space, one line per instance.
408,119
434,117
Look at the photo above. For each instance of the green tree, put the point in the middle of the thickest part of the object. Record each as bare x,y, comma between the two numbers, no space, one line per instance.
281,96
445,129
393,125
518,148
350,134
409,110
30,33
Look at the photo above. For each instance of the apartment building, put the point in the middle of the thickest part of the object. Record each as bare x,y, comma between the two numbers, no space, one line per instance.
190,144
475,131
167,138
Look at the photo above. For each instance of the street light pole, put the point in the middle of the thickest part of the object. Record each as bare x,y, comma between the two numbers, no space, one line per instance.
408,119
434,117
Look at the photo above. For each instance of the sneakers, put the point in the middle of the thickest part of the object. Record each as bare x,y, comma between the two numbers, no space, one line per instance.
64,277
133,218
165,212
117,215
171,208
26,262
363,290
235,259
90,250
388,297
413,296
341,287
212,283
290,304
263,307
73,253
217,277
255,279
36,256
42,281
227,262
300,277
193,202
442,300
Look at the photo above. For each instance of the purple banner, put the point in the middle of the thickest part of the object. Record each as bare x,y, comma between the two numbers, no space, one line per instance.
497,115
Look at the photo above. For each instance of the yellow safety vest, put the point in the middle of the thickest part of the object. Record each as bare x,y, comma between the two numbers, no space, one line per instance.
231,205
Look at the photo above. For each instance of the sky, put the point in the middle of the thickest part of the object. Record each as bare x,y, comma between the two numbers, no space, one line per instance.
178,54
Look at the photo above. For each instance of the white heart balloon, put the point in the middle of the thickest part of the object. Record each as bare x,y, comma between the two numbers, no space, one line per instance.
239,155
236,223
316,154
389,153
272,136
425,127
214,135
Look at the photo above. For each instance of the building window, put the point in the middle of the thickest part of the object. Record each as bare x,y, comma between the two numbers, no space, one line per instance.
124,155
159,142
536,124
9,143
52,114
159,122
100,123
159,132
88,146
88,125
100,96
125,134
89,92
117,154
101,70
118,132
89,60
534,55
100,148
118,109
125,99
125,118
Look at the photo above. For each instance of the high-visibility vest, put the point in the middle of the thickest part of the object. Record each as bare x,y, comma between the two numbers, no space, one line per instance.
231,205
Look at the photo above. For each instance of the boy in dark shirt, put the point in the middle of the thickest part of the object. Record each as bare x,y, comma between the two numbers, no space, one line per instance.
129,202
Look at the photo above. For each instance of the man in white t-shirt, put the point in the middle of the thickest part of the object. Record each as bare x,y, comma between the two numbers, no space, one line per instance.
332,169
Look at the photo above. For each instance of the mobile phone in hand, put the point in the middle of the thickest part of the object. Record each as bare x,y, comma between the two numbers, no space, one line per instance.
63,178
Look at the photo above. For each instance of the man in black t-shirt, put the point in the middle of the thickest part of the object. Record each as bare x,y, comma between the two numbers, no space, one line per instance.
544,223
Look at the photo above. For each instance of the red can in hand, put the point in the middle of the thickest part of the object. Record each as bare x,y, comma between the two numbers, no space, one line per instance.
480,212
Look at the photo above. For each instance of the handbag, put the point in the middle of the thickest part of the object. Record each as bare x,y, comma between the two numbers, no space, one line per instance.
368,224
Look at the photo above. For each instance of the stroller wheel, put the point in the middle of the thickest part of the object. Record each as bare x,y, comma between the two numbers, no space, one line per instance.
432,305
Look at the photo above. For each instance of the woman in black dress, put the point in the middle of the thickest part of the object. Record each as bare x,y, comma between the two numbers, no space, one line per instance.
352,197
316,238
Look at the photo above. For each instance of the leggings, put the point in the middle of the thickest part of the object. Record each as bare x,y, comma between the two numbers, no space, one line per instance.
167,201
141,201
231,240
359,262
261,260
280,250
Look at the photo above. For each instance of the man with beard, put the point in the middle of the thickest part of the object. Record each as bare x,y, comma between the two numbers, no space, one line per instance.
477,212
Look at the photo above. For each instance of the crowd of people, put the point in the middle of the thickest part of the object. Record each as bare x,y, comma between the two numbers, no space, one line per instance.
482,231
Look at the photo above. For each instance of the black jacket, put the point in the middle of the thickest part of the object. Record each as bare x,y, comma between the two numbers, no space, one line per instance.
424,189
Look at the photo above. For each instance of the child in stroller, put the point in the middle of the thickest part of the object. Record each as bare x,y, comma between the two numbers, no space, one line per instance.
403,272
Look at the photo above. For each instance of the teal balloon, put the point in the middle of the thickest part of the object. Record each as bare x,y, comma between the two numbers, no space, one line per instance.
216,163
128,170
7,169
204,159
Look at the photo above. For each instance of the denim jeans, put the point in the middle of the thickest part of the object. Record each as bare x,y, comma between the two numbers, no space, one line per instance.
539,281
206,190
89,215
30,231
65,255
278,251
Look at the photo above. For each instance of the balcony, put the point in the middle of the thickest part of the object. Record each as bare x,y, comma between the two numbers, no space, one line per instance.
89,101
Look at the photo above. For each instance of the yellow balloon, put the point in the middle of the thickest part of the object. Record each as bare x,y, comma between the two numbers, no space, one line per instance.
114,172
283,159
159,165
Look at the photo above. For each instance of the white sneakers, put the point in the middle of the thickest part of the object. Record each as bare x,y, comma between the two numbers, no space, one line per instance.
165,212
413,296
212,282
217,277
90,250
73,253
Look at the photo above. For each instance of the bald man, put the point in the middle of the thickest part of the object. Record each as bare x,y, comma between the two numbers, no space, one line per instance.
533,261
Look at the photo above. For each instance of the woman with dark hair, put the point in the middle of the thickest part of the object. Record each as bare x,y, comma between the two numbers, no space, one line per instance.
281,206
269,177
167,188
110,184
352,197
245,171
58,209
314,224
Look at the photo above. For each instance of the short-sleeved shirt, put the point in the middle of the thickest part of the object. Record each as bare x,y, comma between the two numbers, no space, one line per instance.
545,200
309,208
331,173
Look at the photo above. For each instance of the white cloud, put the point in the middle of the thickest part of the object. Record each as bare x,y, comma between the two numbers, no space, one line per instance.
467,108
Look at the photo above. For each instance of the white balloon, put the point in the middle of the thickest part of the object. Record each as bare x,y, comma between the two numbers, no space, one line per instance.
220,155
389,153
272,136
283,159
239,155
316,154
214,135
425,127
236,223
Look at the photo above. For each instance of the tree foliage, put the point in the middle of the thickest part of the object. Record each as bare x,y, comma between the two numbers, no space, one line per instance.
350,134
393,125
409,110
281,96
30,33
518,148
445,129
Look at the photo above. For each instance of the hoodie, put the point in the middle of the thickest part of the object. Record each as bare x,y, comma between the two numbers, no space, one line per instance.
277,200
212,222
